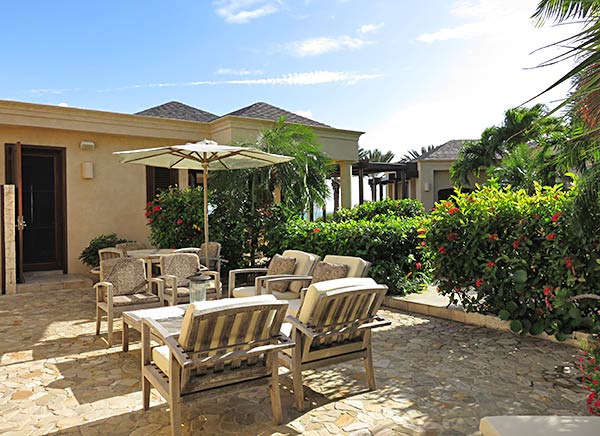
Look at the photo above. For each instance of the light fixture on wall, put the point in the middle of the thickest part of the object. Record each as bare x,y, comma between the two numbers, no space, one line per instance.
87,170
87,145
426,186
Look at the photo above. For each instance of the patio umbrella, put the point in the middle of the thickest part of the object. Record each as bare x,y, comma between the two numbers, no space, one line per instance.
205,155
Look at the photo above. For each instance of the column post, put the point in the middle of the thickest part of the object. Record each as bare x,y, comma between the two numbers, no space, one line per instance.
346,183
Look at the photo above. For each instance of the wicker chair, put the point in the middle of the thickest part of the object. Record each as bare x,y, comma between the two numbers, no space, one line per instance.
126,246
173,285
334,325
221,343
305,263
123,286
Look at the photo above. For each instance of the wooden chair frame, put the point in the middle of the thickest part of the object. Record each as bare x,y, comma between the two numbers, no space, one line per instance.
216,366
340,330
170,281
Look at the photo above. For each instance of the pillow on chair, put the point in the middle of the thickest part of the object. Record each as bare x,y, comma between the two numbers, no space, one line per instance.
281,265
329,271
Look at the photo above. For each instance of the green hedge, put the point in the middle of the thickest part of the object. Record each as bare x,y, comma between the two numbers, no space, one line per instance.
381,210
516,255
388,244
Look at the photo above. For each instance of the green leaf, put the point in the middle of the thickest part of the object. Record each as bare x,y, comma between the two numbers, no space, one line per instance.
516,326
512,307
537,328
504,314
520,276
574,312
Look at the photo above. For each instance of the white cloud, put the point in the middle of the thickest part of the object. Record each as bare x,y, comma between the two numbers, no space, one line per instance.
323,45
485,75
369,28
304,113
243,11
63,104
240,72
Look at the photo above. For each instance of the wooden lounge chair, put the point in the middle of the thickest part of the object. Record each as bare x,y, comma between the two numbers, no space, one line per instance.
173,283
214,255
304,265
334,325
354,267
221,342
107,253
123,286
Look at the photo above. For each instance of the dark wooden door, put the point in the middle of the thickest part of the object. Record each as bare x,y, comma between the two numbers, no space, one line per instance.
43,207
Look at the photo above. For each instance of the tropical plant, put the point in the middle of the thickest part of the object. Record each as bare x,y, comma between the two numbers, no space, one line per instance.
382,210
375,155
520,256
590,369
521,128
89,255
414,154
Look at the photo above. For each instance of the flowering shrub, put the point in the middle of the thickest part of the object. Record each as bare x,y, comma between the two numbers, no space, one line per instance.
516,255
382,210
390,245
589,364
176,219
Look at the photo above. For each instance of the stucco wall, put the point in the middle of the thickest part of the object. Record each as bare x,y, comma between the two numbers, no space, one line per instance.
113,201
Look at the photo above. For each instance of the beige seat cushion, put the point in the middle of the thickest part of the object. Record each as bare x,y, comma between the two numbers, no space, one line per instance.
357,267
160,357
540,425
203,307
281,265
244,291
329,271
328,287
294,306
132,299
305,263
289,295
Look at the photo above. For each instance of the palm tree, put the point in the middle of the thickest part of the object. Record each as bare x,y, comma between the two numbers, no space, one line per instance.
414,154
583,101
375,155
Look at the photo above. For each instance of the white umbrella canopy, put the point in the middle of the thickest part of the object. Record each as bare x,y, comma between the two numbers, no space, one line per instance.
205,155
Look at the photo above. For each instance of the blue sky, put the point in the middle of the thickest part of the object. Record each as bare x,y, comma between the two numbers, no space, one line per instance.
407,73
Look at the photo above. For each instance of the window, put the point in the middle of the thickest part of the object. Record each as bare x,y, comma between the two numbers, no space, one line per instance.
159,179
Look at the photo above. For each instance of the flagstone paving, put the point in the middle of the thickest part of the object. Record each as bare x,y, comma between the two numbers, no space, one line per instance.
435,377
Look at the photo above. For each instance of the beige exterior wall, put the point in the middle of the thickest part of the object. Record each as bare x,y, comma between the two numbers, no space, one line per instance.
434,176
114,200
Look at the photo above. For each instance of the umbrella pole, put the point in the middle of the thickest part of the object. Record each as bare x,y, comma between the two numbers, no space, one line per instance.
206,239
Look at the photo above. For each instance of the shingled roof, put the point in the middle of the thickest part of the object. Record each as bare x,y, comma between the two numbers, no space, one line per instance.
265,111
178,111
446,151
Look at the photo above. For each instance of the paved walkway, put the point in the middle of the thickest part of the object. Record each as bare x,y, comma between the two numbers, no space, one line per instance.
435,377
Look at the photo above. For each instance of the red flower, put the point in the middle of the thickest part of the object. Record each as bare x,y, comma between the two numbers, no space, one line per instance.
316,230
267,213
453,210
490,264
148,213
447,203
149,221
568,262
423,244
493,236
442,250
479,282
418,265
547,290
551,237
452,236
556,216
179,222
156,208
148,204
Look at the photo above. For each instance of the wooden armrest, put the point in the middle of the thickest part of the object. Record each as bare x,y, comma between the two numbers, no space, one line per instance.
234,272
169,339
378,321
109,292
301,326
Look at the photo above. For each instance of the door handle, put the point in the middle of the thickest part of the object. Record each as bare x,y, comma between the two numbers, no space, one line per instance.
21,224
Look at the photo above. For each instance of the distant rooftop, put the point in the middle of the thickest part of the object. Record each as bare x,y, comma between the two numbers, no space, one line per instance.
260,110
178,111
446,151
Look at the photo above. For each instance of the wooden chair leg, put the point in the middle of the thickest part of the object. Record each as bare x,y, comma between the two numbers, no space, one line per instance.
110,329
274,391
98,320
297,374
175,396
146,386
370,370
175,407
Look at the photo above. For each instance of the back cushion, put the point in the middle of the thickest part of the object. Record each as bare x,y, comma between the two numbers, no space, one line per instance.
128,275
180,265
305,263
281,265
356,266
329,271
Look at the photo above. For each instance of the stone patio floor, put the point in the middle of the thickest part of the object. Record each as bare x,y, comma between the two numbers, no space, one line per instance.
435,377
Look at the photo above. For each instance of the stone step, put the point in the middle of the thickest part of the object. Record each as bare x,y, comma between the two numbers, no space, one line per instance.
51,281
